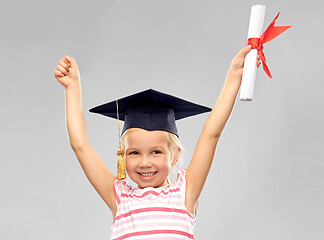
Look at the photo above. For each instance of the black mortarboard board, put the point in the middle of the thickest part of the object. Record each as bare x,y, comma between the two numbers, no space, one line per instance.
150,110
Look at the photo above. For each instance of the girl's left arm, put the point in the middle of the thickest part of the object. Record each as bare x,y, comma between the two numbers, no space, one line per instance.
203,156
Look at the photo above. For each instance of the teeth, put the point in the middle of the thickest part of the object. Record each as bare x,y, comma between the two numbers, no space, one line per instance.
147,174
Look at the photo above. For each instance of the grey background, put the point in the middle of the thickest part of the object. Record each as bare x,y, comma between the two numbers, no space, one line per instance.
267,178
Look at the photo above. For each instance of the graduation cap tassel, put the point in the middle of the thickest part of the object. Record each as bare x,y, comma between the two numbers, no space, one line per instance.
121,168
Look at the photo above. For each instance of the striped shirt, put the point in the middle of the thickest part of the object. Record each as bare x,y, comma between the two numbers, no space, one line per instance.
152,213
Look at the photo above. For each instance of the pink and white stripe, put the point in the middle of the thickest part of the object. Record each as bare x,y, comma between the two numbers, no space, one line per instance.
152,213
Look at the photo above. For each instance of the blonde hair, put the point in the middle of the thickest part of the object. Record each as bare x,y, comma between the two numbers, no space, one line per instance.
174,145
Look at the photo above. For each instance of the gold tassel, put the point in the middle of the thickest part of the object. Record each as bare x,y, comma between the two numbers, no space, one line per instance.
121,168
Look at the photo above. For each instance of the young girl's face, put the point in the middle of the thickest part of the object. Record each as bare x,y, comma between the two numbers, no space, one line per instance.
148,157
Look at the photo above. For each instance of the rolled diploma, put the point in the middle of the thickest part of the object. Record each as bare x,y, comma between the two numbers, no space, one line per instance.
249,71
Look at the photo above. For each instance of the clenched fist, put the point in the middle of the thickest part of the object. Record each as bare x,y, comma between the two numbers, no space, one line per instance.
67,72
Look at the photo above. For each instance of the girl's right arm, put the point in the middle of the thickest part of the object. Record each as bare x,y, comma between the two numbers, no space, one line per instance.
101,178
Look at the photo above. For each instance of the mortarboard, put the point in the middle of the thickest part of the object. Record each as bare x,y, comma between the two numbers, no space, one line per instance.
149,110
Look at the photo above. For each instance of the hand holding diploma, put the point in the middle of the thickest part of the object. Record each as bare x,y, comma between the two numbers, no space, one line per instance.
257,41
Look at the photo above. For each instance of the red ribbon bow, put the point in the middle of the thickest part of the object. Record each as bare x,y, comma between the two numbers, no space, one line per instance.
268,35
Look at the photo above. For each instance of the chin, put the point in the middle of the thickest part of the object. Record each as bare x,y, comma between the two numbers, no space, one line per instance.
150,184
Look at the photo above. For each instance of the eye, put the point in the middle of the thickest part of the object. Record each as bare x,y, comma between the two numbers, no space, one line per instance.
133,153
156,152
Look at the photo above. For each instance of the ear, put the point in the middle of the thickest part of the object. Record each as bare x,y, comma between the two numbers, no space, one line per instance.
176,156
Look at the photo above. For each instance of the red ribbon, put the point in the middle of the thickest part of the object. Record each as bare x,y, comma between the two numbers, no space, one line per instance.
268,35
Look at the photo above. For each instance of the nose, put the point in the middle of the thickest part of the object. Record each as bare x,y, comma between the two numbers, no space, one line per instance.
145,162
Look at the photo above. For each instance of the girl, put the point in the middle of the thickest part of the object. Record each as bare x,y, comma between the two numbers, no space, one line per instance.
156,209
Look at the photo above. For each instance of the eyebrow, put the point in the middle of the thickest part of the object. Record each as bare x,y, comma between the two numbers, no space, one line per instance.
150,148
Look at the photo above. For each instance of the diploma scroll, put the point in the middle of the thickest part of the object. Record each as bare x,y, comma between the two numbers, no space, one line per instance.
249,71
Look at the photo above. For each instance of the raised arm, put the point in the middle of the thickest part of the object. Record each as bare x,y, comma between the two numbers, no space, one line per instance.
67,73
203,156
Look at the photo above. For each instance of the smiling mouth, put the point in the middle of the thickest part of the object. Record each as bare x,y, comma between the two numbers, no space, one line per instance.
147,174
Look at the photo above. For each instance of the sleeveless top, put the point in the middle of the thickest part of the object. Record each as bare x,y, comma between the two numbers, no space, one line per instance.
152,213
